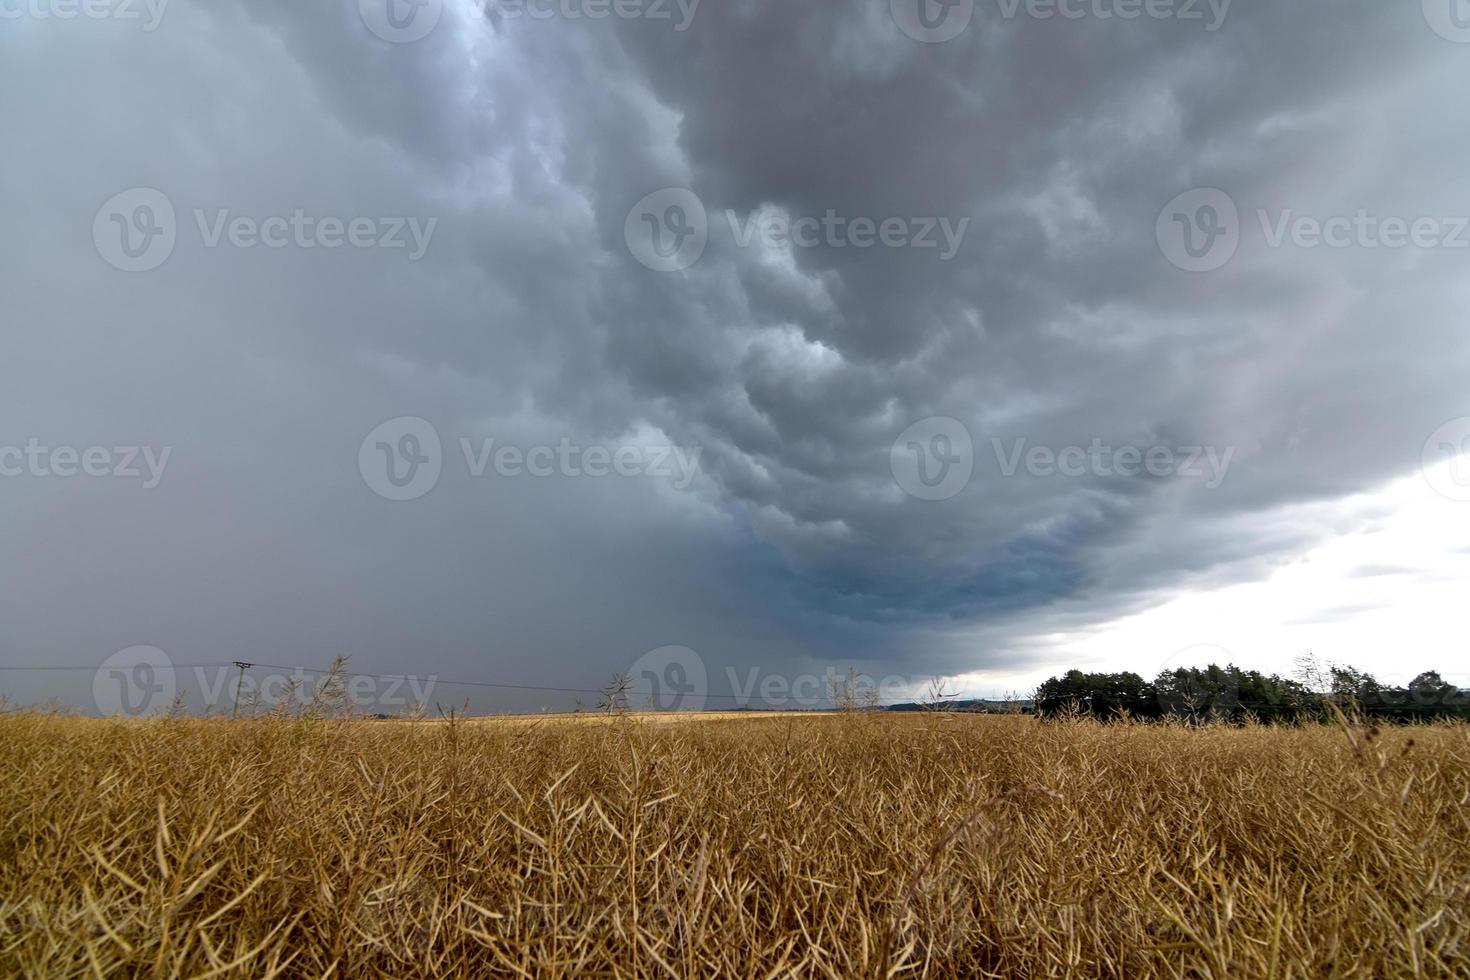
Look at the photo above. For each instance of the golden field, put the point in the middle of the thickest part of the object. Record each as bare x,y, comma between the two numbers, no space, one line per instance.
863,845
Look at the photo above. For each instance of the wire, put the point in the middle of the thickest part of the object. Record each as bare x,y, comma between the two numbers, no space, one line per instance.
513,687
95,667
743,699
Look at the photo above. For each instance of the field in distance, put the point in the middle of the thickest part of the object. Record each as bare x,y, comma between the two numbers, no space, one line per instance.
740,844
646,717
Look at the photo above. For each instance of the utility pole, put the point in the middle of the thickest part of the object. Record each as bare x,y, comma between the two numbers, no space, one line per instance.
238,684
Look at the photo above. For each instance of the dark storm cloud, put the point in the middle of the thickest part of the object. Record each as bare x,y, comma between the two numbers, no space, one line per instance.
1061,141
1057,321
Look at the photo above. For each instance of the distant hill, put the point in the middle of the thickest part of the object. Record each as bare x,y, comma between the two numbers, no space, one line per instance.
974,705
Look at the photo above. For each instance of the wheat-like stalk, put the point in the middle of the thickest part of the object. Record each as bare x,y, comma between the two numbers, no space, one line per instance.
832,845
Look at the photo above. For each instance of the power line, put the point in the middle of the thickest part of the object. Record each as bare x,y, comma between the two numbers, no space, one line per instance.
512,687
96,667
743,699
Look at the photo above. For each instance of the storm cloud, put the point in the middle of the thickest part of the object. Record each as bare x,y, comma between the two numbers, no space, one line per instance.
874,257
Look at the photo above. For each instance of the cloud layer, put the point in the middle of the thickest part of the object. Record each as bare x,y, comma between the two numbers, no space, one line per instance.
791,358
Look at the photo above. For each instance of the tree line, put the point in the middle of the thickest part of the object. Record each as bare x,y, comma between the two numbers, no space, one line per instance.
1229,693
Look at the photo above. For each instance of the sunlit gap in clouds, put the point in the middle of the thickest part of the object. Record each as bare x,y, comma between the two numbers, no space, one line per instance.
1387,597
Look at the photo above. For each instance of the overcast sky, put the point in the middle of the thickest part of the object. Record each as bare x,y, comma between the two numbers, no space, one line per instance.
986,339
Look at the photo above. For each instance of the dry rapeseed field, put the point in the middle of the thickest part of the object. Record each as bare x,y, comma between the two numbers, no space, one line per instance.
835,846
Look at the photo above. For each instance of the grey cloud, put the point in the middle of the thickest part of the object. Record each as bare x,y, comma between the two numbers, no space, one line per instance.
1058,320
